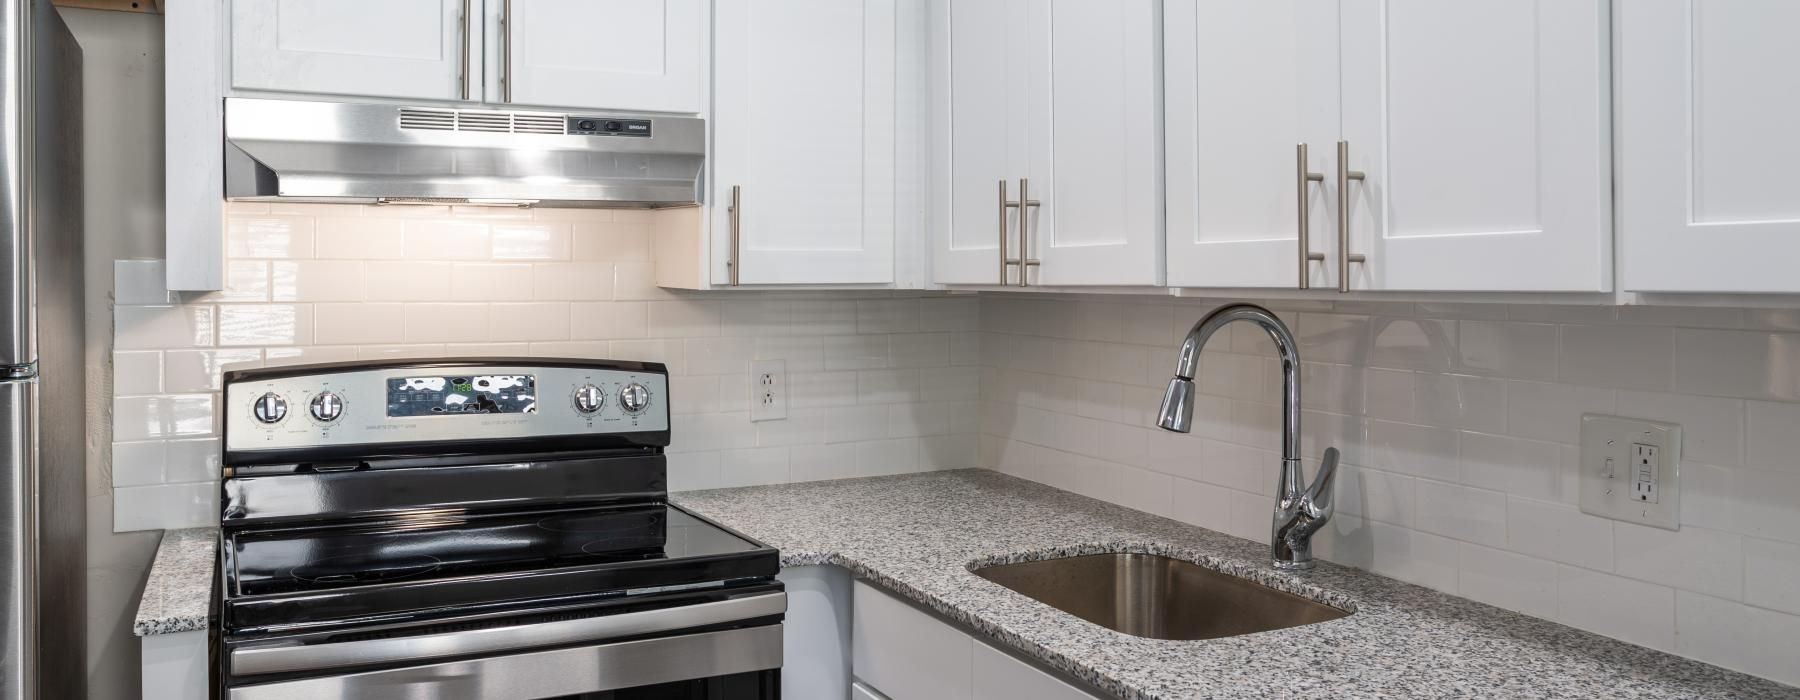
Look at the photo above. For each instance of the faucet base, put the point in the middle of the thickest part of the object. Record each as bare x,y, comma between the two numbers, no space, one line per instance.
1293,565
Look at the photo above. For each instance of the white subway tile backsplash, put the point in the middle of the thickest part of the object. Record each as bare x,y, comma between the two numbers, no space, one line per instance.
195,371
1692,558
573,281
265,324
1773,436
1464,513
418,280
532,240
1737,636
1517,350
1637,612
1504,579
1772,575
137,373
360,238
1560,532
269,236
515,322
1712,429
1619,357
1762,366
447,239
159,327
317,280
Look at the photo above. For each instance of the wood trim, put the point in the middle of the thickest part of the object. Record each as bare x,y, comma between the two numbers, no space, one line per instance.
145,6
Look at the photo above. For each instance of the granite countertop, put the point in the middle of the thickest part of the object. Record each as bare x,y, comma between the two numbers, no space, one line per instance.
178,593
918,535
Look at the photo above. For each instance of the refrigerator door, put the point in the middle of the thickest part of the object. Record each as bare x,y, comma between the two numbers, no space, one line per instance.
17,346
18,549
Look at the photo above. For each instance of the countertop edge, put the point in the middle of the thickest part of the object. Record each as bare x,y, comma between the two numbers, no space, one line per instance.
178,592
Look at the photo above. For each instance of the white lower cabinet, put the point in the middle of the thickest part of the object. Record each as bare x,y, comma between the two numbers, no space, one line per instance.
902,653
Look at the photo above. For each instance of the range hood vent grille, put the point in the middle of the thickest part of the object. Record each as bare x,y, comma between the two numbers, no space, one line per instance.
482,121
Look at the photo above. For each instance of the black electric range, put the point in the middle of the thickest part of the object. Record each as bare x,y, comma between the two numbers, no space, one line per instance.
475,529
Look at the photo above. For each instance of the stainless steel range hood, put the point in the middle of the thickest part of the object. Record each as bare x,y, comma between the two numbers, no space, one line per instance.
376,153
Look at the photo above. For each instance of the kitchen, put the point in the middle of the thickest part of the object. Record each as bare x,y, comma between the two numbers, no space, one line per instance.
902,287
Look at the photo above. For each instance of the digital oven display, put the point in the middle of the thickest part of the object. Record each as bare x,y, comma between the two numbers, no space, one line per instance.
409,397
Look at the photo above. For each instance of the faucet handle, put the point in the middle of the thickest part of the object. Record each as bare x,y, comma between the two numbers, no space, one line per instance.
1319,494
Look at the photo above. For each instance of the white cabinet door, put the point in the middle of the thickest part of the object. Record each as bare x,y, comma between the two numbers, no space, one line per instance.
979,59
619,54
1484,130
905,653
998,676
803,126
1056,97
388,48
1095,147
1245,82
1708,104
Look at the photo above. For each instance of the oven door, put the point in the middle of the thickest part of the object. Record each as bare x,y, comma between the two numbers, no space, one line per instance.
723,650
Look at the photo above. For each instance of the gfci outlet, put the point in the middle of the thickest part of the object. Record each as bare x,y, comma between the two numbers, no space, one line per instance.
768,390
1631,470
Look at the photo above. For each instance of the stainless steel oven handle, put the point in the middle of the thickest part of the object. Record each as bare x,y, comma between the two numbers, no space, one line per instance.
547,673
285,659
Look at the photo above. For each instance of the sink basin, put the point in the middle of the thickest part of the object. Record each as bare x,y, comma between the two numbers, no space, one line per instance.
1157,597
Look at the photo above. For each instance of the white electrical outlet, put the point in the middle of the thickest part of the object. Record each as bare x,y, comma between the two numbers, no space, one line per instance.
1631,470
768,390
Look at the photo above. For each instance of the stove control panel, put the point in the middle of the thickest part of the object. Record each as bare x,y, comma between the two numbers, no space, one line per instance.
347,404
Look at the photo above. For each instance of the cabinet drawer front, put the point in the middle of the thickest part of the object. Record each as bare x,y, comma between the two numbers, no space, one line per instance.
906,653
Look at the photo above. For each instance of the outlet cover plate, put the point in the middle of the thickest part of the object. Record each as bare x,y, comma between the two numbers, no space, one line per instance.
1608,477
768,390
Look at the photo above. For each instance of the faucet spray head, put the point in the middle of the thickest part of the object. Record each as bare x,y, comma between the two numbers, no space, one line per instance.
1177,413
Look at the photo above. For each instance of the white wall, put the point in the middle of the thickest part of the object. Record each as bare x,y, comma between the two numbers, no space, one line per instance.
881,382
122,182
1458,425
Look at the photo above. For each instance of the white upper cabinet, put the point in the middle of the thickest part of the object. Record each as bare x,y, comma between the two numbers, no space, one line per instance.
390,48
1246,84
1483,131
1708,103
1057,98
617,54
804,138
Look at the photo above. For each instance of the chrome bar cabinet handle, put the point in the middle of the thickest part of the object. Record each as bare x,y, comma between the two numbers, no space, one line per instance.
1006,260
463,78
1302,177
735,214
1344,176
1025,261
506,20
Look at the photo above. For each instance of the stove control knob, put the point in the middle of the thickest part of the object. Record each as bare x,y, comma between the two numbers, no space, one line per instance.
326,407
589,399
634,398
269,408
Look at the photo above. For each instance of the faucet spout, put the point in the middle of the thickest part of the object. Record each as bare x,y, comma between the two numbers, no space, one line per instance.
1300,510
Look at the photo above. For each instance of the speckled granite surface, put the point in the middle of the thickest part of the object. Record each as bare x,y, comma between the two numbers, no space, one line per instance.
918,535
178,592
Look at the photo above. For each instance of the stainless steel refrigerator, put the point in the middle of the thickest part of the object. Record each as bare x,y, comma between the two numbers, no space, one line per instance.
42,379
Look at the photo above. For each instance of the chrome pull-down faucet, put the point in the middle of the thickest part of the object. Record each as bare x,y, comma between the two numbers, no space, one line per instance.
1298,513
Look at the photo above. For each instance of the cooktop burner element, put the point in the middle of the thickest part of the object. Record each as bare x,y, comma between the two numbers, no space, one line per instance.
364,568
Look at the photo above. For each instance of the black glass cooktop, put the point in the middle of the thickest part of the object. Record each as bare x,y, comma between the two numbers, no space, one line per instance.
434,565
427,547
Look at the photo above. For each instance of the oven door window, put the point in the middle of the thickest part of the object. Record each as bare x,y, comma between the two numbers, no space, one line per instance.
756,685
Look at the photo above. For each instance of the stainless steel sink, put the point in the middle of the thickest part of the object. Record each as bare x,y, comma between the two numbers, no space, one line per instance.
1157,597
